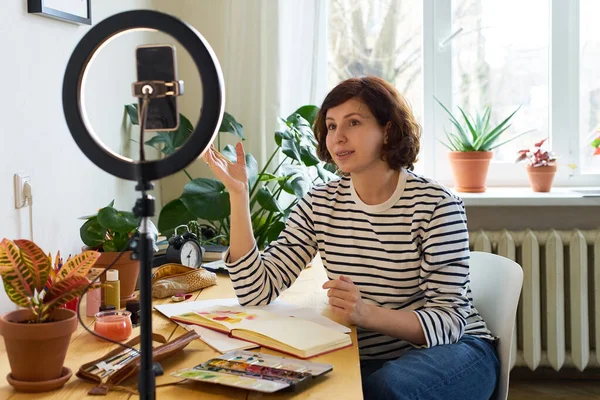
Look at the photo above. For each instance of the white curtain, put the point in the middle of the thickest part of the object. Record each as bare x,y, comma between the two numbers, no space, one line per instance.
274,61
303,50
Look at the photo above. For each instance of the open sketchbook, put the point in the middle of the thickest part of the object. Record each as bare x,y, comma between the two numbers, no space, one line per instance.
223,343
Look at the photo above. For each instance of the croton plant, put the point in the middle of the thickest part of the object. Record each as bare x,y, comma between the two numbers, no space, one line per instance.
33,281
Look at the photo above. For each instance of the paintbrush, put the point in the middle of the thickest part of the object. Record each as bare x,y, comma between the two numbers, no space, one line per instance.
118,366
113,358
221,156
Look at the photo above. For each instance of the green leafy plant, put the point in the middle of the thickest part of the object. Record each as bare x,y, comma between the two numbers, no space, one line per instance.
297,169
31,281
476,133
109,229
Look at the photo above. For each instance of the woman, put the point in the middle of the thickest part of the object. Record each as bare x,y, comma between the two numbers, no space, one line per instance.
394,244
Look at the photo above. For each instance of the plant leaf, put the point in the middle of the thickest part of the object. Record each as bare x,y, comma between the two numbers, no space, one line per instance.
512,138
267,177
62,292
309,113
118,221
132,112
464,140
38,264
92,233
309,156
267,201
445,145
173,214
19,280
274,231
251,170
300,125
229,153
111,246
493,135
474,133
301,186
229,124
324,174
172,140
290,149
280,135
486,145
206,198
78,266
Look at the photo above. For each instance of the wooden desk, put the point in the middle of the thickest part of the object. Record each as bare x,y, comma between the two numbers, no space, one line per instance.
342,383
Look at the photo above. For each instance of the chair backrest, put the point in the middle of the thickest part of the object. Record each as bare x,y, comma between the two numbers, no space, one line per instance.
496,283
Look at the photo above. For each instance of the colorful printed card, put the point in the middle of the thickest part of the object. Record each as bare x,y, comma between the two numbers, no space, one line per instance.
256,371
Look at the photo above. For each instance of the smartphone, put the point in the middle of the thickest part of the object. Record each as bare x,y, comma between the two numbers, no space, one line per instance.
157,63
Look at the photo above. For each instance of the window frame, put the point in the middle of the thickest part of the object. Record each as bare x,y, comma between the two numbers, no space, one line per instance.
564,60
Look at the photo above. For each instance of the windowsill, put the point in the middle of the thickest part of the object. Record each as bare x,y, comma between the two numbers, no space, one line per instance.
524,196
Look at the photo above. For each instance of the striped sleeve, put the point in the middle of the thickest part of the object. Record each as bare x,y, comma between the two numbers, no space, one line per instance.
259,278
444,274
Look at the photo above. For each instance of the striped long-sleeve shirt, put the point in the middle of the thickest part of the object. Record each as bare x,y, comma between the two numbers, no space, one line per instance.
408,253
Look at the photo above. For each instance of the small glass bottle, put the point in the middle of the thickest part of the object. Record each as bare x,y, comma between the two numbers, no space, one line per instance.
112,290
92,302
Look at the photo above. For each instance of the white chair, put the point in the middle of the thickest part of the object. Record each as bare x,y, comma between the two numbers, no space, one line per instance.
496,283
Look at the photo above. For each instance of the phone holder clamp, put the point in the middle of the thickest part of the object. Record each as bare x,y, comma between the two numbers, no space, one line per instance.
157,89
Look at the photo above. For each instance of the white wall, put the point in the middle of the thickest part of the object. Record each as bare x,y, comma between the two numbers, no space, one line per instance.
34,135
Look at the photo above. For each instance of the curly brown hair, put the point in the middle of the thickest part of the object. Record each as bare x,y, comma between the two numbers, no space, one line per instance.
388,106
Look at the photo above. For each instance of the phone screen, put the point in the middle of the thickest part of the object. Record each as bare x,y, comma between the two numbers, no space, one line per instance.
158,63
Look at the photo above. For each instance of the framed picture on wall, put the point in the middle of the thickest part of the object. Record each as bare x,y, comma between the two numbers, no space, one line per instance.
75,11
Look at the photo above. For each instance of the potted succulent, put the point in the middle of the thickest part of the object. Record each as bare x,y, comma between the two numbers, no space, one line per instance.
471,147
109,231
540,165
37,336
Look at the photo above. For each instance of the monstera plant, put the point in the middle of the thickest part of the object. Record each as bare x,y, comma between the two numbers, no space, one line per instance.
292,168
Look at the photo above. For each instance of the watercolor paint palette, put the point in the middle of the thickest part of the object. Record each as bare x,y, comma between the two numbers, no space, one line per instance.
256,371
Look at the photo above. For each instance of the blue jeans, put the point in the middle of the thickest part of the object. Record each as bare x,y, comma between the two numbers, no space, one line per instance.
464,370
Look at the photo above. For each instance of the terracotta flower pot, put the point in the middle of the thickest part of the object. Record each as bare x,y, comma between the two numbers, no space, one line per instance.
36,352
540,178
128,272
470,170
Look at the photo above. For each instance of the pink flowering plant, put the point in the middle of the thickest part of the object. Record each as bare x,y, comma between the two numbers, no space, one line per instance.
537,156
596,144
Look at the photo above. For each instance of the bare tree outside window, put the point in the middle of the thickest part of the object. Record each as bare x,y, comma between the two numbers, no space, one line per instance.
500,59
381,38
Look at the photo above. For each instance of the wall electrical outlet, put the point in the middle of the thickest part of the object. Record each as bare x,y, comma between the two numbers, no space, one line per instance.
20,180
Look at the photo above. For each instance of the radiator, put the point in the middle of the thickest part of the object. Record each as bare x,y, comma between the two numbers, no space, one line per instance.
558,319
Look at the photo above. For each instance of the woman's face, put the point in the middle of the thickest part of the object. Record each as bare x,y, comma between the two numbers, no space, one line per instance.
354,137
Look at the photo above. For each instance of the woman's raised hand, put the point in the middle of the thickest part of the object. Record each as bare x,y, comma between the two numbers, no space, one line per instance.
233,175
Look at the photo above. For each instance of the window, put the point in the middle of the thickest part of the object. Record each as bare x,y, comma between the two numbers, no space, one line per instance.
540,56
589,84
500,59
382,38
378,37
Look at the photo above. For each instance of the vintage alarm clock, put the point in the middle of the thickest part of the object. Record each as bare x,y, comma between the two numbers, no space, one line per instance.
183,249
